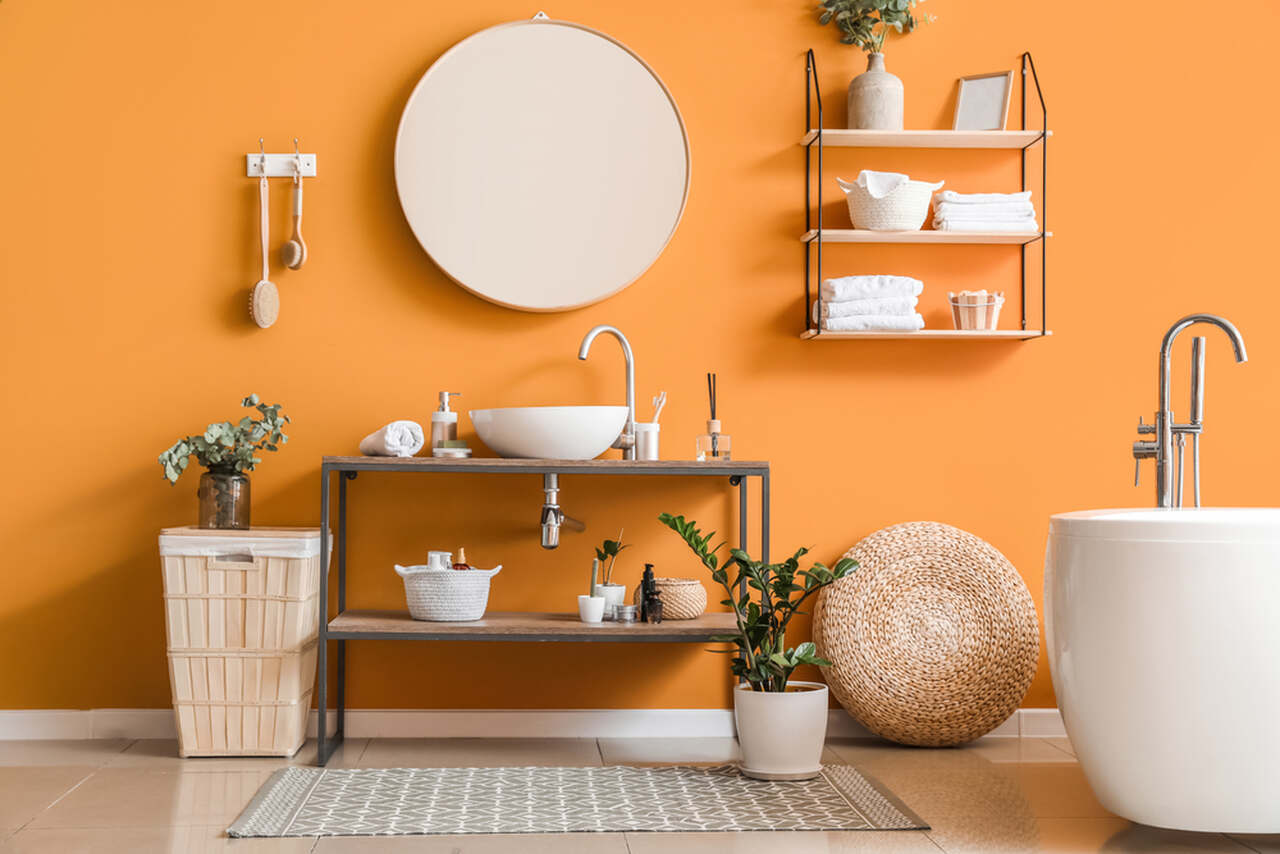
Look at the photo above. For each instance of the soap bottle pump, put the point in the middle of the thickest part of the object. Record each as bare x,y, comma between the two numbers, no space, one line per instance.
444,421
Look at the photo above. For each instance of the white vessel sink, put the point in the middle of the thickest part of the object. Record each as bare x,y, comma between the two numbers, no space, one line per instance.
550,432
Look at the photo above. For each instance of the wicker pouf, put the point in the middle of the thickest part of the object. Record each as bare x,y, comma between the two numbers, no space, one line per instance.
682,598
933,639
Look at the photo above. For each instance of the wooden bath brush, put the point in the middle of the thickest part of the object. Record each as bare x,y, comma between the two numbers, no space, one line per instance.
264,302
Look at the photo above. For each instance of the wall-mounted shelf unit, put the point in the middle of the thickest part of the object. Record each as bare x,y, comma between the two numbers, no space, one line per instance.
497,626
817,138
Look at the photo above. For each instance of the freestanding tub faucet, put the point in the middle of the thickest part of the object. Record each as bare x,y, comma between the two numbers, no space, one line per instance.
1166,430
627,440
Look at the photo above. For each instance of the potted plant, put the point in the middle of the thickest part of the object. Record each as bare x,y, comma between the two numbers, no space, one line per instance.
875,96
614,594
227,451
782,722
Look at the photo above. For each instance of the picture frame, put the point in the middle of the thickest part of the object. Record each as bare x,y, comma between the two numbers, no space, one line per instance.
982,102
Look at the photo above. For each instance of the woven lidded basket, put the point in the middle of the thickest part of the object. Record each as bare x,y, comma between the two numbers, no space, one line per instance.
446,595
682,598
933,640
905,208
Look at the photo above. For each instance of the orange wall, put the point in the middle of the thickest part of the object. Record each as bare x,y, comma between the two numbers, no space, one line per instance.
128,247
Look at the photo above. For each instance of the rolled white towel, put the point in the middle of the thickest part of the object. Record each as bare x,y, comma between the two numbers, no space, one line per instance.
397,439
1027,224
874,322
869,287
980,198
995,210
852,308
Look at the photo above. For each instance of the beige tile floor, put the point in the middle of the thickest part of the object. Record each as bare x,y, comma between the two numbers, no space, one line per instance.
999,795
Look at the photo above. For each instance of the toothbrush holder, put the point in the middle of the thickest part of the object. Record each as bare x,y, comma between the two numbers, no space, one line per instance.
647,436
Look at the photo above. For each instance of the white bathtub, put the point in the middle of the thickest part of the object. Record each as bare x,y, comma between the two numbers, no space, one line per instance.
1164,643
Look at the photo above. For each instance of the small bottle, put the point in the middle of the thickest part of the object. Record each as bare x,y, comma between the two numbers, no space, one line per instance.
712,445
461,562
444,422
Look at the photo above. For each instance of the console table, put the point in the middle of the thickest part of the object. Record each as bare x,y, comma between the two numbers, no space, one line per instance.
348,625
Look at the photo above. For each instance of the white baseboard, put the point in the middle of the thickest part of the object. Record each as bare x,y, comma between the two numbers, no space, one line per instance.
31,724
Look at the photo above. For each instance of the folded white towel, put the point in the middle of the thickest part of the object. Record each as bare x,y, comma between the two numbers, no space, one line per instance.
995,210
852,308
397,439
874,322
869,287
980,198
878,184
1027,224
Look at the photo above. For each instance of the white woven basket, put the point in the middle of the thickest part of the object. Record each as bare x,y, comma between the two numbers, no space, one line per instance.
905,208
446,595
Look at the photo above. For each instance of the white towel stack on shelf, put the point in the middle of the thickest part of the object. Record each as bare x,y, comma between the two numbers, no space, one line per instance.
868,304
1003,212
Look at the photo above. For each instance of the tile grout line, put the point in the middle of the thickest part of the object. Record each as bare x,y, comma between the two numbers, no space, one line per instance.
1059,749
51,804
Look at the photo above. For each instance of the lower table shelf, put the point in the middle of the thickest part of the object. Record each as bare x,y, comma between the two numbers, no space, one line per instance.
524,627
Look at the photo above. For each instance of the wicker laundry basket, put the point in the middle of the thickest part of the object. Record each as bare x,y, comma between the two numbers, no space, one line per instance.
682,598
241,612
933,640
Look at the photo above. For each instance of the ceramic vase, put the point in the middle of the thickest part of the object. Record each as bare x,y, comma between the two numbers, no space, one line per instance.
781,734
224,498
875,98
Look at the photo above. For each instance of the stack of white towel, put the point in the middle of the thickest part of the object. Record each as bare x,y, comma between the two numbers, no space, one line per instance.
1005,212
868,303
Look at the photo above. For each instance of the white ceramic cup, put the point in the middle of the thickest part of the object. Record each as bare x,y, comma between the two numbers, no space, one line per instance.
590,608
440,560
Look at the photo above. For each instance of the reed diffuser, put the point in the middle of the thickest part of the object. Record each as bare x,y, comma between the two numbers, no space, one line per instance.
712,445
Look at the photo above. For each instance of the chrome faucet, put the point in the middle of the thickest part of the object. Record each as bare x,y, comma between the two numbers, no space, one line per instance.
627,440
1166,430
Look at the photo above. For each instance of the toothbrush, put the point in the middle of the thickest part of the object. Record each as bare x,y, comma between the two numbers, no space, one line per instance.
659,401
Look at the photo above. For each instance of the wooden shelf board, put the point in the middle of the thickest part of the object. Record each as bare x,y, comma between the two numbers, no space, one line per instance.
860,235
928,335
525,626
990,139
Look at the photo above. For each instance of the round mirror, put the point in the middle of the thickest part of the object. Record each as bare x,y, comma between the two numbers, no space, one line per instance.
542,165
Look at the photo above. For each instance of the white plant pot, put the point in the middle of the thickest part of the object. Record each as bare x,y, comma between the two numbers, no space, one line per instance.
614,595
590,608
782,735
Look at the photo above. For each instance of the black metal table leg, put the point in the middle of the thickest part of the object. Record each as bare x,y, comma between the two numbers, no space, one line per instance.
764,518
340,690
322,638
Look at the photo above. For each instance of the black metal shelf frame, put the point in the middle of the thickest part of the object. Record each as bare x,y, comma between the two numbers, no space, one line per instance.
813,244
348,469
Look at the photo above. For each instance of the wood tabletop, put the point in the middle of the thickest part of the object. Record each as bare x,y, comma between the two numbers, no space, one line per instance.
519,625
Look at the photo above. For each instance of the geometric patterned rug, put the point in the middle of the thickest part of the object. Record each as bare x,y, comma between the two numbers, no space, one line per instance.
410,801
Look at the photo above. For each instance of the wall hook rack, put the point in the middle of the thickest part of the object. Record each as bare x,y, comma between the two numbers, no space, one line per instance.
279,165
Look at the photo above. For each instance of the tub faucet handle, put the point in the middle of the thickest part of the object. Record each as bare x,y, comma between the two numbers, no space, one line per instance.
1142,451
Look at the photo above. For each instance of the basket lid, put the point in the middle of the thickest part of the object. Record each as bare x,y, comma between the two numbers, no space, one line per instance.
190,541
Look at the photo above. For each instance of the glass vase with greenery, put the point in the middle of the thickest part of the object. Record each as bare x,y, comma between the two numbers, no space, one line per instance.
867,23
774,595
227,451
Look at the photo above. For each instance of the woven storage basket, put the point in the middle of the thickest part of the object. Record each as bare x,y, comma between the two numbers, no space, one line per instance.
903,209
242,703
242,589
446,595
933,639
241,614
682,598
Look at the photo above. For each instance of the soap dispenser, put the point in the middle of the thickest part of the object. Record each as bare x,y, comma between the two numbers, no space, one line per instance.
444,422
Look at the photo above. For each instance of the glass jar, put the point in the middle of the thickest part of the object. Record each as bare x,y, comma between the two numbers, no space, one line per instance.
224,498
